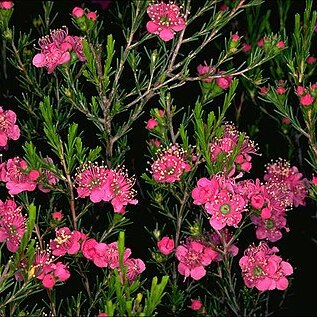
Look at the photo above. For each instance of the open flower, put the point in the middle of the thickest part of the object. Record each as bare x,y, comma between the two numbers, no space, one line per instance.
165,20
8,128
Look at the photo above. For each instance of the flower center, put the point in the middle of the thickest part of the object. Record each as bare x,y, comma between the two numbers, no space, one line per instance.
164,19
269,224
257,271
225,209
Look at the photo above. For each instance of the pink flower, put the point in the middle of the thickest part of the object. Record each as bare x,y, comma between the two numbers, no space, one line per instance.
224,82
134,268
196,304
280,44
306,100
263,269
101,183
151,124
66,241
8,128
300,90
170,165
260,42
204,70
12,226
311,60
91,16
55,49
88,249
6,5
206,189
61,272
264,90
166,245
15,174
57,215
165,20
225,209
193,257
282,172
78,12
102,315
286,120
314,180
49,281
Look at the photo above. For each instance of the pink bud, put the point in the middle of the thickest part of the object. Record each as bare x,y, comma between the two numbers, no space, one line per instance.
151,124
235,37
280,44
257,201
280,90
78,12
223,7
166,245
300,90
6,5
102,315
224,82
266,213
264,90
306,100
48,281
314,180
34,175
286,120
57,215
91,16
311,60
196,304
260,42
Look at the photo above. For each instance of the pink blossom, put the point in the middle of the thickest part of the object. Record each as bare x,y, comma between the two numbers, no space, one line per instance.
170,165
314,180
206,189
102,314
165,20
6,5
8,128
306,100
166,245
17,177
57,215
263,269
91,16
55,49
78,12
12,226
264,90
204,70
151,124
196,304
61,272
134,268
193,257
297,186
260,42
225,209
66,241
88,249
311,60
7,207
49,281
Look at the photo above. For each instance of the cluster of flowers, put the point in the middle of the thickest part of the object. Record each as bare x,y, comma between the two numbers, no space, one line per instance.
224,147
12,224
8,128
103,184
107,255
56,49
170,165
19,177
44,268
220,84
